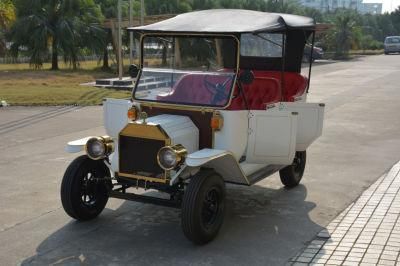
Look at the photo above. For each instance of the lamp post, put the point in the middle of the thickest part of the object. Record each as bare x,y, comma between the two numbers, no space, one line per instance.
119,42
130,33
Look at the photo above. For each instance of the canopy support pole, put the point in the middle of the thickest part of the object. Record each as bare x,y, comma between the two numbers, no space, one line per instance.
311,61
283,66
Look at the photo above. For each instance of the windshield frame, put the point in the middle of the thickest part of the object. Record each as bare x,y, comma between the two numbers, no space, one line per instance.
181,105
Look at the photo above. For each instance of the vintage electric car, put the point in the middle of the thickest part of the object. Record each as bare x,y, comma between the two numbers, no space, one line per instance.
219,98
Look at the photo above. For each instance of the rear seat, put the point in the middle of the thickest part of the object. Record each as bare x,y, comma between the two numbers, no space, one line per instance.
261,92
266,89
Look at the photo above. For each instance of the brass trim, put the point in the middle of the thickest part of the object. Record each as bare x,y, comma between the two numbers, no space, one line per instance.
175,107
145,131
146,178
197,107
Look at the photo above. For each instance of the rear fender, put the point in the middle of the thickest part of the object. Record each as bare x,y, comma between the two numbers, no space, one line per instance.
222,161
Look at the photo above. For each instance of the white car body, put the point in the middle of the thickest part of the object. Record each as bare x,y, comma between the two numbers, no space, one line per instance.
266,139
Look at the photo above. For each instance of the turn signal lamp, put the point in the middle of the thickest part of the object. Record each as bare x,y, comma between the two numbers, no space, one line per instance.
132,113
217,121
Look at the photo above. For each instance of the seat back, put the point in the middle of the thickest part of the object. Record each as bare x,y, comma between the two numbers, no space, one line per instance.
294,84
261,92
192,89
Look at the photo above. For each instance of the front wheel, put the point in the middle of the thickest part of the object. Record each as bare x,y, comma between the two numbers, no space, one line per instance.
203,207
84,188
292,174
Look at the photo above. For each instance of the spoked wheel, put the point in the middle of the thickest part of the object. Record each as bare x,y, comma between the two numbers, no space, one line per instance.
203,207
292,174
84,189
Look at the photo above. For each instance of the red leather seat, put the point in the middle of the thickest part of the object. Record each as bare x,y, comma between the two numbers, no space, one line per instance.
261,92
266,89
191,88
294,83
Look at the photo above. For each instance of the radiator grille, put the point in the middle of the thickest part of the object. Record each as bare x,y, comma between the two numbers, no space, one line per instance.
139,156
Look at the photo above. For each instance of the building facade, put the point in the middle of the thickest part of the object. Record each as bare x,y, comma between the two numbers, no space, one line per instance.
330,5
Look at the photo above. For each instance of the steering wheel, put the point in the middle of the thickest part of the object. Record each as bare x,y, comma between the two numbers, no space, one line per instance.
217,89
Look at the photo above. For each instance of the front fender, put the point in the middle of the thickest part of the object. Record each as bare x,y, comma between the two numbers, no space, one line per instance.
222,161
76,145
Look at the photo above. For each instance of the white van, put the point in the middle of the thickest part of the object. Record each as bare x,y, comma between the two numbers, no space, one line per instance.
392,44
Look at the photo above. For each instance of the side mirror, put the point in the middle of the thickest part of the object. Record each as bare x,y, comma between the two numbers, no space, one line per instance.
246,77
133,71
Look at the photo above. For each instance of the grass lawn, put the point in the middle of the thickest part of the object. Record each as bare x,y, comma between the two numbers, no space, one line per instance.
20,85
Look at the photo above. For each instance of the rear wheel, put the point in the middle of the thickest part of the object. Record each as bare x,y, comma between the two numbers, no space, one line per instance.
203,207
292,174
84,189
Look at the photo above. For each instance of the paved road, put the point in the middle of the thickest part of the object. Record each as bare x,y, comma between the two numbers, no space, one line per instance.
265,224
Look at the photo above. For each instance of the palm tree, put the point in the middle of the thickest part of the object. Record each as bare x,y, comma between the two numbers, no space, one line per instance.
343,33
64,26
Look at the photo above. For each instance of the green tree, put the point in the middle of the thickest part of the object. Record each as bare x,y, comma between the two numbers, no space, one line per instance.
7,17
395,18
204,4
156,7
64,26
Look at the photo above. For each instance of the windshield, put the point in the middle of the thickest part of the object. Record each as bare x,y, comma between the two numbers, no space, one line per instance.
188,70
392,40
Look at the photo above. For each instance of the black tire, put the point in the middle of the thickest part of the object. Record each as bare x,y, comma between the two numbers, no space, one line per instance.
83,196
292,174
203,207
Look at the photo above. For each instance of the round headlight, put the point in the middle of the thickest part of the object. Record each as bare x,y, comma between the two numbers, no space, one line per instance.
98,147
169,157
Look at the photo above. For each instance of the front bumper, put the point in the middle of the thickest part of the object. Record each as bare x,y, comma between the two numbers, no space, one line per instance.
392,49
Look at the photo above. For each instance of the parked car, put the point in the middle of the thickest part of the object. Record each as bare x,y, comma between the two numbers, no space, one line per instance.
392,44
220,99
317,53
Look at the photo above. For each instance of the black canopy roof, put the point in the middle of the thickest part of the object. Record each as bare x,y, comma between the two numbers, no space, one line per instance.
228,21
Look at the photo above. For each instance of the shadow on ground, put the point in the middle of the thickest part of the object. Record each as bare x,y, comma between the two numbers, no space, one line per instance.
263,226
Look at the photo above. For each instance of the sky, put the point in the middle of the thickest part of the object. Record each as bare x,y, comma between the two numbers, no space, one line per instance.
388,5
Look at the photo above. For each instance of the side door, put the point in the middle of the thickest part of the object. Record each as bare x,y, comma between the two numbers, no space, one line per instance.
309,121
272,136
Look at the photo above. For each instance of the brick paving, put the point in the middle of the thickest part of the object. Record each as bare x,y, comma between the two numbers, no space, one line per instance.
366,233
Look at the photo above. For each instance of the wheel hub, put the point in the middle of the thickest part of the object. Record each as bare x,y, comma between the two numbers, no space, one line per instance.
210,207
88,190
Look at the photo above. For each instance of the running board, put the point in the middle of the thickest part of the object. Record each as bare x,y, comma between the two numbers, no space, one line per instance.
144,199
263,173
